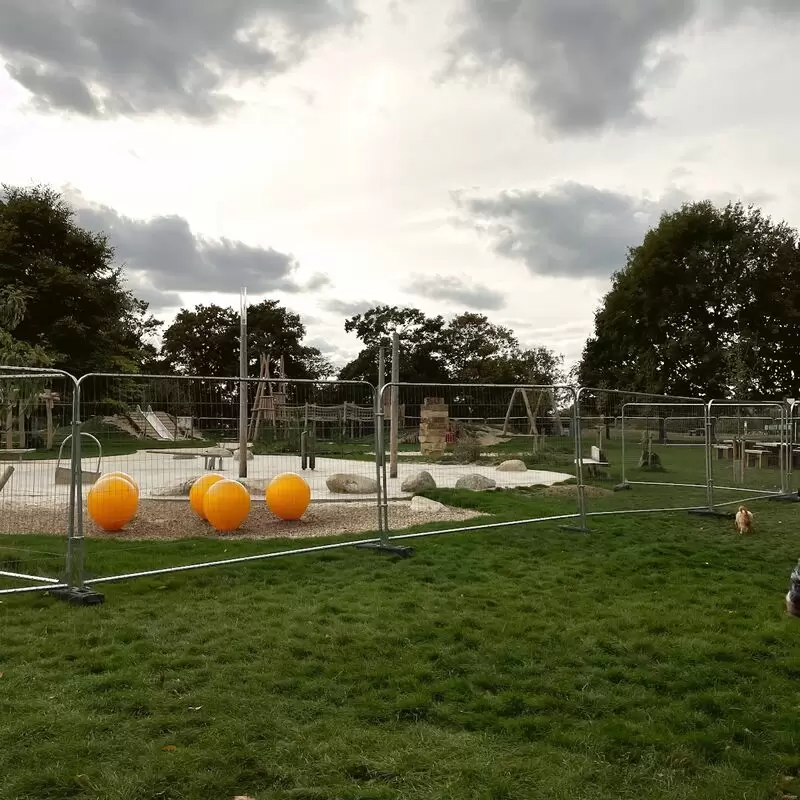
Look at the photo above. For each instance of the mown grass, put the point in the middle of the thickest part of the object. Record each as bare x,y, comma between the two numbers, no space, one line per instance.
650,658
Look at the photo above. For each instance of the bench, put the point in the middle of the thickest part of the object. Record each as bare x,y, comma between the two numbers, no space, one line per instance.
15,453
756,458
724,450
594,468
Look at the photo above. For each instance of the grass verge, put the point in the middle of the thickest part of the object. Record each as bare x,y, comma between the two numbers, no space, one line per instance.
651,658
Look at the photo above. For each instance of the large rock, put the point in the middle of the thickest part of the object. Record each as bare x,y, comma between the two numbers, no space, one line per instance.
422,505
475,482
345,483
512,465
417,482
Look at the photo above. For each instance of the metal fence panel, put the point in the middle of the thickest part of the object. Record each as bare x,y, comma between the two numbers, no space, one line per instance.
36,416
473,437
751,448
166,431
642,452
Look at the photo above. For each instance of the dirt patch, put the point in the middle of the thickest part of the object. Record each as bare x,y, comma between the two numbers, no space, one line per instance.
170,519
571,490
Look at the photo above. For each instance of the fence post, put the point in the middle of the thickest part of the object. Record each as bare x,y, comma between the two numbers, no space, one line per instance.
76,590
577,437
709,443
383,544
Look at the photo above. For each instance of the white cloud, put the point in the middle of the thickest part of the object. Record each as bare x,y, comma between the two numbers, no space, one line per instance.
345,164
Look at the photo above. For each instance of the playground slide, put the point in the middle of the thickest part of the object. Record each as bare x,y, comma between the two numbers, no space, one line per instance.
157,425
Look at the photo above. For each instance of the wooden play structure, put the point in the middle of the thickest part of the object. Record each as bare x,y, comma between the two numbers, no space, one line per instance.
544,404
270,400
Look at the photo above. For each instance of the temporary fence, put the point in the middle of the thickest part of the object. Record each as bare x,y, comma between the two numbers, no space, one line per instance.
750,452
474,437
365,452
36,494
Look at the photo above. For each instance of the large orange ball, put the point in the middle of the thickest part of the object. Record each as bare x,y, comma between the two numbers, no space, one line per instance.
125,477
197,494
226,505
288,496
112,502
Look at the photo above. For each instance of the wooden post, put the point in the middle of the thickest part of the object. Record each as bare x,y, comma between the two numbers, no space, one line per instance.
243,364
508,411
395,393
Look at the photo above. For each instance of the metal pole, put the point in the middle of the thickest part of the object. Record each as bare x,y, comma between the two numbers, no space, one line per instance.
377,414
243,385
578,438
709,443
380,449
395,420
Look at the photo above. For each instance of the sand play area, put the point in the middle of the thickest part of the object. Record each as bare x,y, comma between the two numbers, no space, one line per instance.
32,502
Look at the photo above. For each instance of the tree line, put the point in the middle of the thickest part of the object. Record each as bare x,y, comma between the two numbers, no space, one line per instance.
63,304
706,305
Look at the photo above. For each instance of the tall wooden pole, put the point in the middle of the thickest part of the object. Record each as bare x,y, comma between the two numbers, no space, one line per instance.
395,419
243,426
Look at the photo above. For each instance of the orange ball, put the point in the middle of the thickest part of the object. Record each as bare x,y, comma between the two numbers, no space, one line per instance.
112,502
226,505
198,491
288,496
125,477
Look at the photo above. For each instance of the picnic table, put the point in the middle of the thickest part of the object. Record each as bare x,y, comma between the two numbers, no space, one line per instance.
594,468
15,453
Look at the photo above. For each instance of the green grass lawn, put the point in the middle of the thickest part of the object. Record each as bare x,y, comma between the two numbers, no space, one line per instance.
651,658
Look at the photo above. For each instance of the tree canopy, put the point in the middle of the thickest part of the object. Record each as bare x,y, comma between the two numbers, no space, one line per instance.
467,349
205,341
74,304
707,306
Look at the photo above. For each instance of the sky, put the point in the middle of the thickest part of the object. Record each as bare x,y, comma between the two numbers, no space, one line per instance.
497,156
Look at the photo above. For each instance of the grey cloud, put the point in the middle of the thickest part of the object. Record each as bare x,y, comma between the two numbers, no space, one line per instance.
571,231
133,57
350,308
447,287
169,256
156,300
585,65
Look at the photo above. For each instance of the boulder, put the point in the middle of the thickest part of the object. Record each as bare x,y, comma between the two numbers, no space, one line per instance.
422,505
512,465
346,483
418,481
475,482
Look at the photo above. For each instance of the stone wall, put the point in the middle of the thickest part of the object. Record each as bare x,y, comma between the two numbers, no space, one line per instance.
433,425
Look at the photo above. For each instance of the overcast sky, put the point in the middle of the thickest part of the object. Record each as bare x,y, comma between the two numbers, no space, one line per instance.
447,154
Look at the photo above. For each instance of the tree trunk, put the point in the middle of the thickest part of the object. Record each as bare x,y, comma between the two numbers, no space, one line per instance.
21,424
51,434
9,426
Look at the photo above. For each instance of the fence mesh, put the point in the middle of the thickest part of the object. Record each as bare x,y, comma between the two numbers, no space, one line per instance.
750,448
473,437
641,451
166,432
34,483
564,451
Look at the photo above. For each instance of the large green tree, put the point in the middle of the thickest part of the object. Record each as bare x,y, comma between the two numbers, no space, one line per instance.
707,306
76,308
18,395
467,349
205,341
421,358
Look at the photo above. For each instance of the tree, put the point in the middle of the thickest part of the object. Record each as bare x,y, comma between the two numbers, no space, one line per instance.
205,341
76,308
421,359
467,349
707,306
17,395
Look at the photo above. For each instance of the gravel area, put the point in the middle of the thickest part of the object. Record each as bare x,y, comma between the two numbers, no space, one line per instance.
169,519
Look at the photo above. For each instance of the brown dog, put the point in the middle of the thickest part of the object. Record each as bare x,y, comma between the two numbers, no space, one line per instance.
744,520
